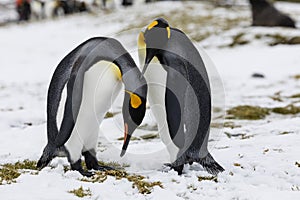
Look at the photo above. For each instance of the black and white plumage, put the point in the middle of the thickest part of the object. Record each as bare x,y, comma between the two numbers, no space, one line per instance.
94,72
181,87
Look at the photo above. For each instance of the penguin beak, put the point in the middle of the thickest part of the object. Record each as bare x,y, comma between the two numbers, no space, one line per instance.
126,140
150,53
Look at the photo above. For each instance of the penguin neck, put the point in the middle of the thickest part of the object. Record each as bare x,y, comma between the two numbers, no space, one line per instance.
163,60
170,60
131,76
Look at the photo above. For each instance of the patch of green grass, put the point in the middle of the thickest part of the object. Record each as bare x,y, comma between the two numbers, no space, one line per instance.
295,95
285,132
216,125
297,76
26,164
208,178
231,125
143,186
114,165
238,165
242,136
255,112
144,137
277,97
276,39
197,27
281,39
132,138
247,112
110,114
150,136
238,40
192,187
148,127
80,192
8,175
10,172
289,109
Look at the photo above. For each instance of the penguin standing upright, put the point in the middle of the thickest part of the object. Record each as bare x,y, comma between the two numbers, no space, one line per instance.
94,72
181,87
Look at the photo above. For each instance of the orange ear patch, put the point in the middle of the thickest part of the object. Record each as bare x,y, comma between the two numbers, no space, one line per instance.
117,71
135,100
141,40
169,32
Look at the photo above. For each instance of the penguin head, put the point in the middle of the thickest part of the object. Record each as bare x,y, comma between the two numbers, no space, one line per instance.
154,39
134,109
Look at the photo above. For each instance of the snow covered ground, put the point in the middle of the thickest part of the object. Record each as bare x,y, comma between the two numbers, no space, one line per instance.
258,166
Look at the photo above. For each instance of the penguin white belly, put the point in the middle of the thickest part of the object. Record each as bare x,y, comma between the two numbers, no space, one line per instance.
102,84
156,78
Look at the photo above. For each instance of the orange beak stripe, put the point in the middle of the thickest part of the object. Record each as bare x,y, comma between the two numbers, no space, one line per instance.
125,131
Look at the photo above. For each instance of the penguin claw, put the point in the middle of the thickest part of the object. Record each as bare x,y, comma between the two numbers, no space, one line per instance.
168,164
178,169
210,165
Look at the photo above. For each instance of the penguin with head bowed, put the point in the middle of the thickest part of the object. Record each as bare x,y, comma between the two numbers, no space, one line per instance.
180,85
94,72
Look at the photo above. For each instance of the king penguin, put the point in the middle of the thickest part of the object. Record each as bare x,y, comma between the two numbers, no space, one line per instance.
94,72
179,94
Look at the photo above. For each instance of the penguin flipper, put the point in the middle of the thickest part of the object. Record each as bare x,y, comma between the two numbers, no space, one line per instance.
59,79
174,103
72,106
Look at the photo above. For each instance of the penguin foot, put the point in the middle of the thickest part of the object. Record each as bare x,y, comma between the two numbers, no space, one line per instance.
177,168
92,162
77,167
210,165
61,152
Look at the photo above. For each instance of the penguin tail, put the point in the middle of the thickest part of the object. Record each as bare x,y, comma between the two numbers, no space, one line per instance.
47,156
210,165
61,152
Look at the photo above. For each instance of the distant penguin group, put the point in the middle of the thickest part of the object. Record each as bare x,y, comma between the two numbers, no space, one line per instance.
184,94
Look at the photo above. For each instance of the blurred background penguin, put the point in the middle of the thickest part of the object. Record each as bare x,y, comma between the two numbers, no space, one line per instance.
23,9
